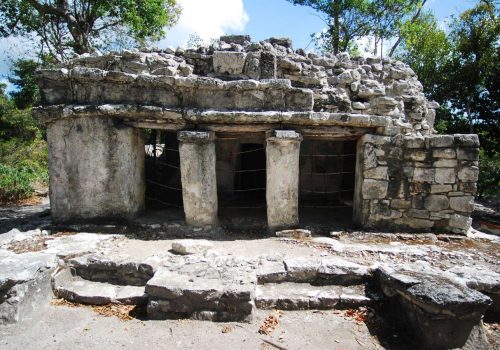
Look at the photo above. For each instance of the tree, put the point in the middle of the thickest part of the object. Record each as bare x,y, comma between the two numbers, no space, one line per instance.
460,70
65,27
27,93
348,20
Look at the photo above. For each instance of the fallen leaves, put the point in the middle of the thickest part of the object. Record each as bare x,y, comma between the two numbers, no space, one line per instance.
120,311
227,329
270,323
358,315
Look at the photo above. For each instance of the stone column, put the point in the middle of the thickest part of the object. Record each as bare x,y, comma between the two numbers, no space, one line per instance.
199,185
282,187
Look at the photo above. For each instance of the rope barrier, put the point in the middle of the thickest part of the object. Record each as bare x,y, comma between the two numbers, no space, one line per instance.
162,185
327,155
327,192
246,190
162,162
342,172
164,203
325,206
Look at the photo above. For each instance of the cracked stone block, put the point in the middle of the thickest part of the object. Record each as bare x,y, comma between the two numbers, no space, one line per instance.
445,176
227,62
442,314
341,272
462,204
176,295
271,272
470,174
302,269
374,189
436,202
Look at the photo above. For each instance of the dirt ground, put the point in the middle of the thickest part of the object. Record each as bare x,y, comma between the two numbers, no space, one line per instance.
62,327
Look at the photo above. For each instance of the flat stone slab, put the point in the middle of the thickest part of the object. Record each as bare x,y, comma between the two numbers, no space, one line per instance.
191,246
78,290
176,295
298,233
304,296
102,268
333,271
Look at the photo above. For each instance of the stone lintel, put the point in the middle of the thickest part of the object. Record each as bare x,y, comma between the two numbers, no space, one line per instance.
284,135
188,136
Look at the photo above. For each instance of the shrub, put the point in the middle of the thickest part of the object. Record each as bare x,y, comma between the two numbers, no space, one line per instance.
16,182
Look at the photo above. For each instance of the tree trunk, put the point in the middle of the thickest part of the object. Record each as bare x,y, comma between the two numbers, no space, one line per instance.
336,27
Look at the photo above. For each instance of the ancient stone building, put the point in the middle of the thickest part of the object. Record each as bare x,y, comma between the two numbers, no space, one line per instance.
252,129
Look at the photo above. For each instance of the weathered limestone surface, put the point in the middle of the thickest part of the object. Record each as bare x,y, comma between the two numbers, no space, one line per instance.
240,75
78,290
441,313
199,183
24,283
407,177
416,182
191,246
174,295
96,169
282,171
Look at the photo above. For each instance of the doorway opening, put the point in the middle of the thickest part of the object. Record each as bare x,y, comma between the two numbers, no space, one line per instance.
241,179
163,176
326,184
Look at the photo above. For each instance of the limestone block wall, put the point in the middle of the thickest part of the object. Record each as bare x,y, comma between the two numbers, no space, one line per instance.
96,169
415,182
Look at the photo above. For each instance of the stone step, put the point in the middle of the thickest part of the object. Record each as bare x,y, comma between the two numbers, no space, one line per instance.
114,270
174,295
327,271
304,296
73,288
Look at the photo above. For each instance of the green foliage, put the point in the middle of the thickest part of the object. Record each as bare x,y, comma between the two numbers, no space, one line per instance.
23,77
348,20
68,27
16,182
23,152
489,174
460,70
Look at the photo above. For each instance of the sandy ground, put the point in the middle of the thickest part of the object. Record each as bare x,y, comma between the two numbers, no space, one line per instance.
62,327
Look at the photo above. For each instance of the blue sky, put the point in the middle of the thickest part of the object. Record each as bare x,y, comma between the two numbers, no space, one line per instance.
260,19
281,18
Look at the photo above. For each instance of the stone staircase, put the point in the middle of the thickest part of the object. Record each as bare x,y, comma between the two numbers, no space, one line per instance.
220,290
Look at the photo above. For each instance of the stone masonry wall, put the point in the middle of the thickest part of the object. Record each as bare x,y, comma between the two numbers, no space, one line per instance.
416,183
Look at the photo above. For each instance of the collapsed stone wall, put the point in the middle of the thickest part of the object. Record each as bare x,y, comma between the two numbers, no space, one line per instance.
419,183
236,74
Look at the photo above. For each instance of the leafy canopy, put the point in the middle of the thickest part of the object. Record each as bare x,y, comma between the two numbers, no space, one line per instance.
348,20
65,27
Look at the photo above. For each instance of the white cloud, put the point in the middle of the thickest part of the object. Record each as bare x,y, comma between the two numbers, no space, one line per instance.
208,19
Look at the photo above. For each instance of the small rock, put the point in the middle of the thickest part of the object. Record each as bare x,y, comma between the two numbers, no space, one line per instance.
191,246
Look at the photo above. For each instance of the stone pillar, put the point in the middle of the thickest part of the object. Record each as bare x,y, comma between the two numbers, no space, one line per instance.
282,187
96,168
199,185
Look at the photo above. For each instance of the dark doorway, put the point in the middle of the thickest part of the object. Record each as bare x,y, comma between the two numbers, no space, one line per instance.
163,176
327,177
241,180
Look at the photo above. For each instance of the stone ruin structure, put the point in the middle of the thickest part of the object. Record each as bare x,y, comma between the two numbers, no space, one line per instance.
253,126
